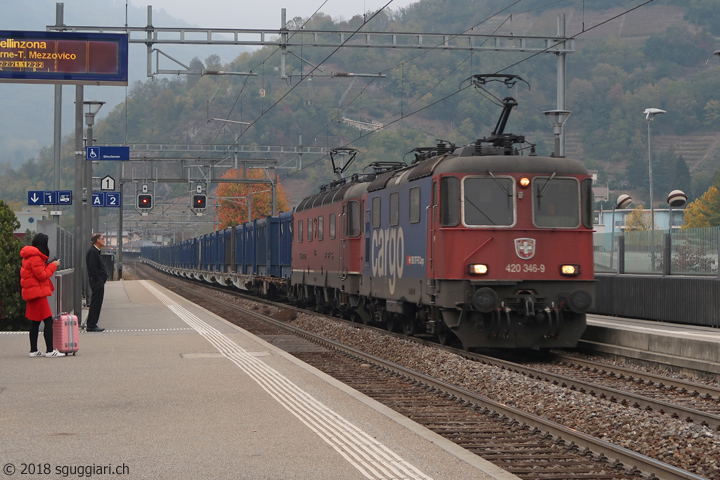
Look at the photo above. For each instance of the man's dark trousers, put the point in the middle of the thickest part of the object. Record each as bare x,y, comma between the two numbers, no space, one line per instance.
96,301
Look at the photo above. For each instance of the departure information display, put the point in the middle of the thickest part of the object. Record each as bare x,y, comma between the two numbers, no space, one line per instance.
64,58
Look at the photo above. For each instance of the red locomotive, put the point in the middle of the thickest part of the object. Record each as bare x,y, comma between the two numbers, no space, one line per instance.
479,243
476,242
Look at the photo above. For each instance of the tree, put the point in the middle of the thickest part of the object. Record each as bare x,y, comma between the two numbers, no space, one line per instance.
676,44
700,213
233,198
12,306
638,220
711,113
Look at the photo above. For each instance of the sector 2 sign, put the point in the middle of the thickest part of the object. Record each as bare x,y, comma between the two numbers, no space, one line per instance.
64,58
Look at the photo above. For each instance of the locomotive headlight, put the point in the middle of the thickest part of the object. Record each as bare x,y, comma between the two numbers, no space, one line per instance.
478,269
524,182
570,270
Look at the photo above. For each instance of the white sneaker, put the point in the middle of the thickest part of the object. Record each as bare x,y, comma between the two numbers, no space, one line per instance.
55,353
37,353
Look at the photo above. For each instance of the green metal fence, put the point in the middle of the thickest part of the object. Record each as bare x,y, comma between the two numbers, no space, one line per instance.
691,251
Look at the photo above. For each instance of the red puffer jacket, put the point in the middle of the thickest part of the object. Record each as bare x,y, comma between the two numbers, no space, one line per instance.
35,275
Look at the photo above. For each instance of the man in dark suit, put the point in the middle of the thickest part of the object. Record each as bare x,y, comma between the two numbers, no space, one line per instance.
97,274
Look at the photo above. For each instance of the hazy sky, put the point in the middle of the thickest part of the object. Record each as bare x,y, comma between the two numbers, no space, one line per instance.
264,14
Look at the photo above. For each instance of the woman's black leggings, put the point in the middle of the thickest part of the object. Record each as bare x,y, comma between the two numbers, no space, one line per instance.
47,333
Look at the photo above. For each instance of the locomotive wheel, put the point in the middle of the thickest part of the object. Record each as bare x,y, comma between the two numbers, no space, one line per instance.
445,337
391,325
409,328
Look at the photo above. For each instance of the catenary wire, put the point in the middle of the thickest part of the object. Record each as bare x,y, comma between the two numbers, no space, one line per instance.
361,136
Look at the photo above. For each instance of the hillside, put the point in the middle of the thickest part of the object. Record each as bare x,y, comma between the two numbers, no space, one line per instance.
657,56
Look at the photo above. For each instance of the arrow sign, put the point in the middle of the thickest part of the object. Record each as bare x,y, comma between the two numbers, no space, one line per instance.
35,197
107,183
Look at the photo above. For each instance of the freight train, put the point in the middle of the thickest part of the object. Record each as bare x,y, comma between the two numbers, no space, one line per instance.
479,243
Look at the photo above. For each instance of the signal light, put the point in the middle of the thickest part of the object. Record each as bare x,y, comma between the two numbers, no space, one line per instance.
144,201
199,201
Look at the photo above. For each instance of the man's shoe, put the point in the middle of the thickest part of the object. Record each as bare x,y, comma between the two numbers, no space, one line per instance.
95,329
37,353
54,353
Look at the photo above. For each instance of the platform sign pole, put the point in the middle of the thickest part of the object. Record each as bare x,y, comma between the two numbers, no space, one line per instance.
79,240
57,126
88,216
119,259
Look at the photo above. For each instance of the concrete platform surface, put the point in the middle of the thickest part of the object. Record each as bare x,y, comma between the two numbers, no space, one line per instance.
170,391
688,347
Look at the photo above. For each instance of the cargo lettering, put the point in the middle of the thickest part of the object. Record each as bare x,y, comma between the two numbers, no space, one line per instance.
387,254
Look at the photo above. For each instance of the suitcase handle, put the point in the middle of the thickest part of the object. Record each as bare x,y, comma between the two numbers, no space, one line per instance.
58,294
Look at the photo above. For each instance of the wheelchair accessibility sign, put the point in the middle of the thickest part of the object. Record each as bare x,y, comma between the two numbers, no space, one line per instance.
107,153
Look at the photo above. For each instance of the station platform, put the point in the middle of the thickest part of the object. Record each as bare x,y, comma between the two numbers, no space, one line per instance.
690,347
171,391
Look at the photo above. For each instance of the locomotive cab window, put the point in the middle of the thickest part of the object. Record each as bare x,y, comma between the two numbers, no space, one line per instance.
310,229
300,231
415,205
321,228
331,226
449,201
556,202
488,201
354,219
394,209
376,212
587,202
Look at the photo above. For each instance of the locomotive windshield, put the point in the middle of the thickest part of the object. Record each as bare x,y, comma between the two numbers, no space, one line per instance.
488,201
556,202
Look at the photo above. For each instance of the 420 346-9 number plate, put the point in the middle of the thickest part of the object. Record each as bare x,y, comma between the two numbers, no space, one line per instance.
525,268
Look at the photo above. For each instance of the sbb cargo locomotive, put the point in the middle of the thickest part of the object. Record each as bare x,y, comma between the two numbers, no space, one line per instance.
476,242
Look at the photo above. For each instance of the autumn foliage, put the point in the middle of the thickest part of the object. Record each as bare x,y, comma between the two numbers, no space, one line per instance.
638,220
233,197
703,211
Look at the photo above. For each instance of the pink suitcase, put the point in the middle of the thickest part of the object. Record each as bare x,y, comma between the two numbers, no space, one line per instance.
66,328
66,333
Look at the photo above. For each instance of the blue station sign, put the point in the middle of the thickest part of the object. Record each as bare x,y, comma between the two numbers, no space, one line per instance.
50,197
107,153
107,199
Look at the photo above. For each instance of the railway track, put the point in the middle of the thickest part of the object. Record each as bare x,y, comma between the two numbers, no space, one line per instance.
679,399
525,444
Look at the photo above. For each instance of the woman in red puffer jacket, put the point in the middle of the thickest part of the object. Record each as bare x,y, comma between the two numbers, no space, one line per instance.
35,280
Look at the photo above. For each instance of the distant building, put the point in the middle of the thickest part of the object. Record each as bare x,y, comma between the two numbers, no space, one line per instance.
600,193
662,219
28,218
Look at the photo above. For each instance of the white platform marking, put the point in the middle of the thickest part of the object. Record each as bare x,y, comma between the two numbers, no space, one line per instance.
373,459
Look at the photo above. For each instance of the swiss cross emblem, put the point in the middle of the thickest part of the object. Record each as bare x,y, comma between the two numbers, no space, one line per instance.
525,248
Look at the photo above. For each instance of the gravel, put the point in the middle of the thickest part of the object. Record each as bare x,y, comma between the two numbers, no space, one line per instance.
685,445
